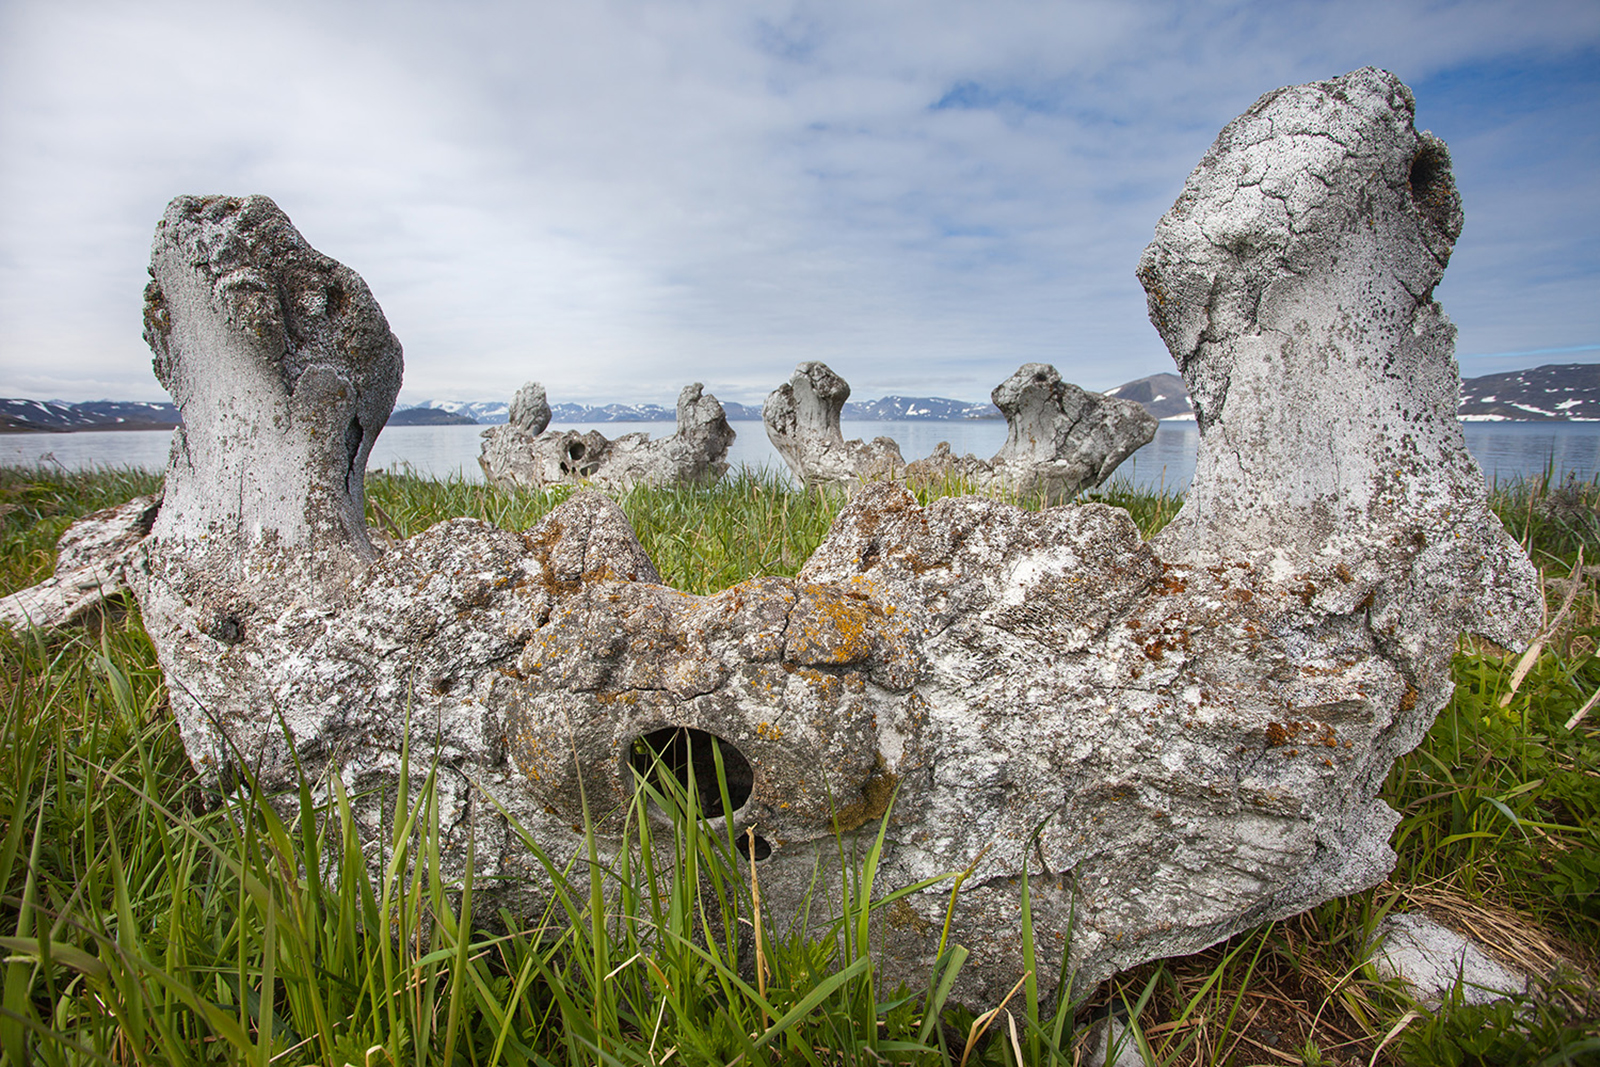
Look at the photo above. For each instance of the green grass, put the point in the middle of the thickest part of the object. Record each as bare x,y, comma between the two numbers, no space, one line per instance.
146,919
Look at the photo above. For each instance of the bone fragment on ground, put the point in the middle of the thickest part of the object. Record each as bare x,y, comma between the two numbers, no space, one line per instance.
523,454
802,421
1430,958
1060,439
91,568
1174,740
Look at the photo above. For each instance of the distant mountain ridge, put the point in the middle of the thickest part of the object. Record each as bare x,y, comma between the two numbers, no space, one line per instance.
1557,392
61,416
1163,395
917,409
895,408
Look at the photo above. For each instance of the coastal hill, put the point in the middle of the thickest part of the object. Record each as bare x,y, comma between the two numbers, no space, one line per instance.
1562,392
1162,395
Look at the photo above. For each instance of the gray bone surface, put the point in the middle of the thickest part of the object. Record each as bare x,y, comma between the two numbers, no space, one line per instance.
523,454
801,417
1060,439
285,370
1173,740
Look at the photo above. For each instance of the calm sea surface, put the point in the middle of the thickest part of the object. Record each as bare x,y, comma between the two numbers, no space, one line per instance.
1505,449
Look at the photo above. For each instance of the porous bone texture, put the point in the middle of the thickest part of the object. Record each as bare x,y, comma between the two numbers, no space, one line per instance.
1172,740
523,454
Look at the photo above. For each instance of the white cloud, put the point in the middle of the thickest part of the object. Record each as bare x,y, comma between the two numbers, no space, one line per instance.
617,199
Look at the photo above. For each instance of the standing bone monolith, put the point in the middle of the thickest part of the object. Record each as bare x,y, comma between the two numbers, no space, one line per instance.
1323,375
1061,438
802,421
522,454
1172,740
285,370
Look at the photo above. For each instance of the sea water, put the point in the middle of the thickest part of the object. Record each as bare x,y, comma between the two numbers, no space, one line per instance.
1505,450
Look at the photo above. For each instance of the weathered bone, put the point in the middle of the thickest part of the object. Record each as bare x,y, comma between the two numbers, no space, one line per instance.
1172,740
1060,439
522,454
802,421
530,411
91,568
285,370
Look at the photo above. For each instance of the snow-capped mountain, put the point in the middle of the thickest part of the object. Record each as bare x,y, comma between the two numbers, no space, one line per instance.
488,412
1558,392
1162,395
23,415
565,413
917,409
1569,392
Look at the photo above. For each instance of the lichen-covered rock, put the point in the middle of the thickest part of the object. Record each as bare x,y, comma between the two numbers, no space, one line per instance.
91,568
523,454
802,421
1172,740
1060,439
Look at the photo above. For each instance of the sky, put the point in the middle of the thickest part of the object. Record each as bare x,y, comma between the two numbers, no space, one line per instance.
616,199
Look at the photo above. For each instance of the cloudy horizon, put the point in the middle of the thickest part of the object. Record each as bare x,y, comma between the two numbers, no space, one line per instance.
617,199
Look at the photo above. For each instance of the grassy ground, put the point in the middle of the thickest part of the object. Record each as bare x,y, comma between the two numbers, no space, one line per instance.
147,920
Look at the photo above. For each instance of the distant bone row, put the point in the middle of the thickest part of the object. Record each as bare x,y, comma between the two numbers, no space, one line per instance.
1059,439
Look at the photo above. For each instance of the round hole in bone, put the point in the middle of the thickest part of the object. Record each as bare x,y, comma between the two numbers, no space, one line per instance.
575,450
667,756
227,628
761,849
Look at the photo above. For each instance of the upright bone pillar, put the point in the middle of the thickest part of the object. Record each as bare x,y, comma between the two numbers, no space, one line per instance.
1293,283
1061,438
285,371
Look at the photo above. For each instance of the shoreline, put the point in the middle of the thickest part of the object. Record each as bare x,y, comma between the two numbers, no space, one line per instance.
109,428
152,426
